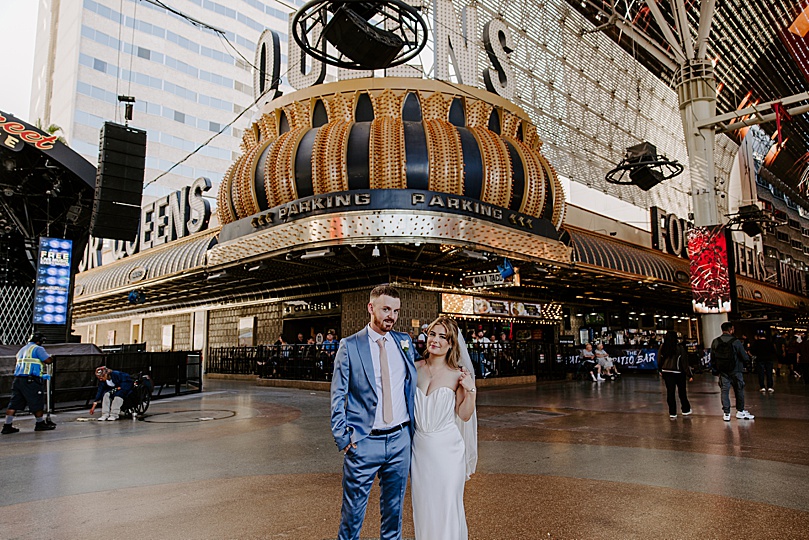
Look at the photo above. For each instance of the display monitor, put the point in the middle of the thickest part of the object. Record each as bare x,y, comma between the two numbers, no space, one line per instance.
52,294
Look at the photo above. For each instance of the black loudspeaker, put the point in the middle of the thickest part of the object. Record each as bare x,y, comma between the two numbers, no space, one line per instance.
639,153
646,178
750,215
119,182
751,228
352,35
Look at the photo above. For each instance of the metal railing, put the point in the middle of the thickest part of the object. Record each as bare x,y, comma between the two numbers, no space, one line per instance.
316,362
74,383
296,362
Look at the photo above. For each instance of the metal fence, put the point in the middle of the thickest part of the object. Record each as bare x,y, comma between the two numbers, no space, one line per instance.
295,362
74,383
17,306
172,372
316,362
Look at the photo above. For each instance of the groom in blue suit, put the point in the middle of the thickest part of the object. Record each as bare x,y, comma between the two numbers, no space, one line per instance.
372,394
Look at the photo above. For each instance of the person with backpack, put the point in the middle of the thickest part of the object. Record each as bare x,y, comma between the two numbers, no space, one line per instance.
728,357
675,371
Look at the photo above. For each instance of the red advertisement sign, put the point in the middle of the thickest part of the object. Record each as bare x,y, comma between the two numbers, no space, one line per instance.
711,278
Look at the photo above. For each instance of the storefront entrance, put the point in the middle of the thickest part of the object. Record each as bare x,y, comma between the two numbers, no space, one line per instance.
311,319
310,327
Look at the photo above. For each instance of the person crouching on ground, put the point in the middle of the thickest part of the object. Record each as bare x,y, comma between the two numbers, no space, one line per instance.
113,387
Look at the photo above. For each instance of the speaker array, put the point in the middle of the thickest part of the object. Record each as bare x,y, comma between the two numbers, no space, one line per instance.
119,182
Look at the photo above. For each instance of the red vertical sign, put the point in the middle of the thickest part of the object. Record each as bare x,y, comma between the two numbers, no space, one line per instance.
711,277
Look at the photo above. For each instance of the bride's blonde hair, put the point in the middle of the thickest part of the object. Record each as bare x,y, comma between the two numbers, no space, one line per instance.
454,354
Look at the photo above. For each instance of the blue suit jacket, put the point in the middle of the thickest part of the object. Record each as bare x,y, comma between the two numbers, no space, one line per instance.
120,380
353,387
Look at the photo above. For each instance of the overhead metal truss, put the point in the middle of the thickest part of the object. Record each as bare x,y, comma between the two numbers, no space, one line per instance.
747,40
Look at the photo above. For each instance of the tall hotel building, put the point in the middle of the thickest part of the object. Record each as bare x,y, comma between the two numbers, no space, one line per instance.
188,81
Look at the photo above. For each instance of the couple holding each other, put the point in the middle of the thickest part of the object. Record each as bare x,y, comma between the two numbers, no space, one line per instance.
386,407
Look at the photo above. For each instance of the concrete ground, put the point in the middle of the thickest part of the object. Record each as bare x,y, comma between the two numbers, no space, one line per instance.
574,460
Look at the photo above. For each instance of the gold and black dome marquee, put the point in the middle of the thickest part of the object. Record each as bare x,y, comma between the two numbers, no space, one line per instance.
392,133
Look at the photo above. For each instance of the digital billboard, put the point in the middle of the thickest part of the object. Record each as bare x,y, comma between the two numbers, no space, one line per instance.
462,304
53,281
711,278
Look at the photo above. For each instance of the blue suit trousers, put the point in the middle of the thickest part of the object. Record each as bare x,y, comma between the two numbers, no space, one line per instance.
387,456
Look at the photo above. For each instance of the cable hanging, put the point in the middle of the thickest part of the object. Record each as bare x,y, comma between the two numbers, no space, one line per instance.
215,135
221,34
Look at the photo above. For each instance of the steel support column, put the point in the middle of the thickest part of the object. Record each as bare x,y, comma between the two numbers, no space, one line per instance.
696,91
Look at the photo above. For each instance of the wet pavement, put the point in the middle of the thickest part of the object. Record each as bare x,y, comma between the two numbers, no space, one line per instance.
557,460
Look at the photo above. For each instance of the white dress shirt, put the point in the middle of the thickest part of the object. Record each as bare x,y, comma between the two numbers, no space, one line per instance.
398,374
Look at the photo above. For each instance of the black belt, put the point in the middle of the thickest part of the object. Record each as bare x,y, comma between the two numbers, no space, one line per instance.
390,430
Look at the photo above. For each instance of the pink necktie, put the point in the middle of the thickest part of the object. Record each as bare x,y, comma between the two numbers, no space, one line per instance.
387,401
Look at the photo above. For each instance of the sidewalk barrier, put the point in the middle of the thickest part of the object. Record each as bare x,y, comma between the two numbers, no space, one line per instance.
73,383
316,362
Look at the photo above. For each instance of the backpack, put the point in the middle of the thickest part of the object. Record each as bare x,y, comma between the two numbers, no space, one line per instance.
672,363
724,357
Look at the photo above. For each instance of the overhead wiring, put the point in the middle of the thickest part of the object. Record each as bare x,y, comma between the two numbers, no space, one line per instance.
222,35
215,135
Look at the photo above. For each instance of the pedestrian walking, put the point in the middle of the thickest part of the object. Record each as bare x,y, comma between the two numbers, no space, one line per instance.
676,373
764,352
28,387
729,357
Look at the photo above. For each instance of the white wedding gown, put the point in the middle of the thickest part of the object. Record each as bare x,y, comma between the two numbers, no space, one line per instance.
437,468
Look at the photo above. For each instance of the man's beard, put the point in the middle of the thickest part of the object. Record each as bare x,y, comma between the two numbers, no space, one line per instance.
384,324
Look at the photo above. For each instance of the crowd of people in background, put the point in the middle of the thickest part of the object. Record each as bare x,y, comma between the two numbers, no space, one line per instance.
308,347
770,355
781,353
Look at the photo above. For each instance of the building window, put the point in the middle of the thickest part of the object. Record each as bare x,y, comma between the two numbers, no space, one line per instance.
770,252
804,231
782,236
760,181
179,117
794,224
99,65
214,126
806,250
797,244
243,88
780,215
144,53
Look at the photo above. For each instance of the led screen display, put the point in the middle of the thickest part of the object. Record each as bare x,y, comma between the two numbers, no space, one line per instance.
710,271
53,281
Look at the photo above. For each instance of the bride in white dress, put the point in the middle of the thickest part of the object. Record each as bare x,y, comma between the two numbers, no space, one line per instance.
444,450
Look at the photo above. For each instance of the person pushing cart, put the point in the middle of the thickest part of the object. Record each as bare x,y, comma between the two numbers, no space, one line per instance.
29,386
